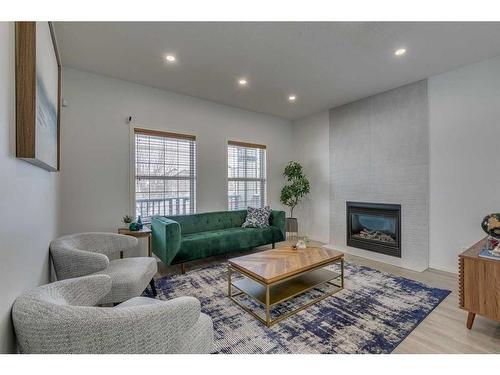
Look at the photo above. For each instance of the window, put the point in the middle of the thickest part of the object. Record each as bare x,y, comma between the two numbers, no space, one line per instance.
246,175
164,173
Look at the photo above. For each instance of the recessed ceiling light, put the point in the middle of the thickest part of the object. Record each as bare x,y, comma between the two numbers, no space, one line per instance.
242,82
170,58
400,51
292,98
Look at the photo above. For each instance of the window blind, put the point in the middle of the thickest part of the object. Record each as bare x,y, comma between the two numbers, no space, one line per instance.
165,173
246,175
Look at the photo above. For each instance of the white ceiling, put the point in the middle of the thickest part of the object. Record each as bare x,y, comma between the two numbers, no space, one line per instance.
324,64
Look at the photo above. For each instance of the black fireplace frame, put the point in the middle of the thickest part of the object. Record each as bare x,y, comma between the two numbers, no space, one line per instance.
391,210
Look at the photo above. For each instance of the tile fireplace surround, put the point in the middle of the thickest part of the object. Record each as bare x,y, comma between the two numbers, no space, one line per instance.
379,153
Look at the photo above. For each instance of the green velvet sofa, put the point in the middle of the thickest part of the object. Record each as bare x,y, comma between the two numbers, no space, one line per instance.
180,239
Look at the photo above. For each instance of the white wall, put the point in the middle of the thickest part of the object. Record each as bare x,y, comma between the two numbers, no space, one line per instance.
28,204
464,108
311,145
96,146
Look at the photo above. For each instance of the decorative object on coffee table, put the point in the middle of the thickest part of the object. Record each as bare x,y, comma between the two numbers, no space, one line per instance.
479,287
297,187
275,276
144,232
301,244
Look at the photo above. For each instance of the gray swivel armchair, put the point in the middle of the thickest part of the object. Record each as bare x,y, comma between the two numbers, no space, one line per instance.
61,318
84,254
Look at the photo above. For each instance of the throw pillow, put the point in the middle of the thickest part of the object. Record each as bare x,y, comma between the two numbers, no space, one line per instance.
257,217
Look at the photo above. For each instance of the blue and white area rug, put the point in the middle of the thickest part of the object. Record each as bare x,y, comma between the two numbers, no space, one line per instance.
372,314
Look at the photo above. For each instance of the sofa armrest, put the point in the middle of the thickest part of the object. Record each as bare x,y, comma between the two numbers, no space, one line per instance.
277,219
166,238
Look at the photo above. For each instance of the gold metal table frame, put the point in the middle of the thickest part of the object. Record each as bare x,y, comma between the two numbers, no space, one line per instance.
282,290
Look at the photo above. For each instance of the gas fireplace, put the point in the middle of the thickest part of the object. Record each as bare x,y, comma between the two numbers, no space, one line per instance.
375,227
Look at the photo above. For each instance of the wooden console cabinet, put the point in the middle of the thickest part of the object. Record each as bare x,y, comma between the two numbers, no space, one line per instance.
479,284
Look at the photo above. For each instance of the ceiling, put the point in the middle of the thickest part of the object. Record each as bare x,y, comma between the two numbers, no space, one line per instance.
324,64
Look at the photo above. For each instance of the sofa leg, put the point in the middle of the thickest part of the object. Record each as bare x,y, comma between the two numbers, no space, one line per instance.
153,287
274,245
183,268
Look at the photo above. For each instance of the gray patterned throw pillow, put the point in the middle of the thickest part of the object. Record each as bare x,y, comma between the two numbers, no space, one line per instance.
257,217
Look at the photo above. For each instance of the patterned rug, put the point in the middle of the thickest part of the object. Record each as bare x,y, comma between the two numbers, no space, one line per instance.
372,314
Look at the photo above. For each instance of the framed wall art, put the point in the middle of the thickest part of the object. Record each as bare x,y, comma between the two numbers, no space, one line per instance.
38,94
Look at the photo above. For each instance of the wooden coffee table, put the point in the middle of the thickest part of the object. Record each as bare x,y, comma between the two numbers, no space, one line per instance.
275,276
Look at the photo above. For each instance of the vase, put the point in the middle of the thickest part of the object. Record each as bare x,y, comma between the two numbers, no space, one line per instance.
292,226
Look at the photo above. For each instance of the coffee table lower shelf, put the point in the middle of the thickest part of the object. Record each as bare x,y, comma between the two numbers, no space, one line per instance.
269,295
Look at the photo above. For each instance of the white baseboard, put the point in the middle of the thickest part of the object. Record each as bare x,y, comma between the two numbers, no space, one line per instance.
398,262
448,269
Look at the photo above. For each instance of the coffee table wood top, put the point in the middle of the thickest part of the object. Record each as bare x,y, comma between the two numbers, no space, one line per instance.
277,264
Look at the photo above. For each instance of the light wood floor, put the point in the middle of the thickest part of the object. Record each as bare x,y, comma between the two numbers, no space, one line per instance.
443,331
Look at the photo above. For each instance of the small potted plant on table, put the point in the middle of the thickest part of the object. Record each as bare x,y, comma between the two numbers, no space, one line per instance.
127,220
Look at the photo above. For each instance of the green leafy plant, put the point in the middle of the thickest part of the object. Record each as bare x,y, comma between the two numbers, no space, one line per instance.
297,186
127,219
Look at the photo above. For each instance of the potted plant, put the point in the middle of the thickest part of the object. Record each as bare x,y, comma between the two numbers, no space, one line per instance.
296,188
127,219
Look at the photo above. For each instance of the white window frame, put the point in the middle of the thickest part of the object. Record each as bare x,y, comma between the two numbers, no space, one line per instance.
132,169
264,166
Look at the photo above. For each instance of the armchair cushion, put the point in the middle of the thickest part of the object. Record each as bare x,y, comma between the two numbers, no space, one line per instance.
138,301
129,277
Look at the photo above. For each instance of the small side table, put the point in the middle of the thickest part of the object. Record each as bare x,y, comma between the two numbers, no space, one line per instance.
144,232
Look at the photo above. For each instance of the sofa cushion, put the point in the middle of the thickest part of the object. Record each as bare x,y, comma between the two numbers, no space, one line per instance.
209,221
257,217
210,243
